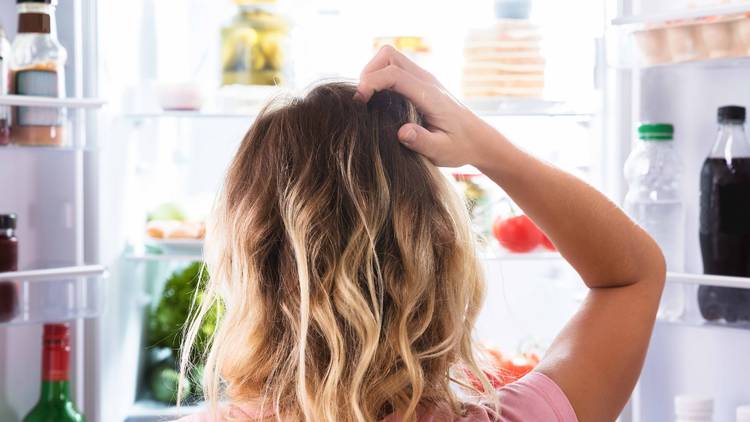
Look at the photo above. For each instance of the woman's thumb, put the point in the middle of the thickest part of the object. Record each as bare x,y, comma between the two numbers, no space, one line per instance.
415,137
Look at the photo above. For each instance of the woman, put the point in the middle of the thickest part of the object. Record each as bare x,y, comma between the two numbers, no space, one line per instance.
348,281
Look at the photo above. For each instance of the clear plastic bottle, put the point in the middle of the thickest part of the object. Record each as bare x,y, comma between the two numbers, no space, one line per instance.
654,202
38,69
693,409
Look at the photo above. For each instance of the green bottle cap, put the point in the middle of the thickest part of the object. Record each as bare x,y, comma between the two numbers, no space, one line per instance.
656,132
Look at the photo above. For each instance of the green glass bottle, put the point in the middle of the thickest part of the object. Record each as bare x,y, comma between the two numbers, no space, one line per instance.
55,404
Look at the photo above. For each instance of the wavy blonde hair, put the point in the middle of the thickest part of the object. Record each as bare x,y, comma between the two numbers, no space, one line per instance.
344,267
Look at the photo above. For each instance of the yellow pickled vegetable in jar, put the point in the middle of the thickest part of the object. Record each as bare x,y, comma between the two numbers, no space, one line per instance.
254,45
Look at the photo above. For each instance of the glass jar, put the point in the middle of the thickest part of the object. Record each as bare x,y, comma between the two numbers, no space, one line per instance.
414,47
254,46
476,194
38,69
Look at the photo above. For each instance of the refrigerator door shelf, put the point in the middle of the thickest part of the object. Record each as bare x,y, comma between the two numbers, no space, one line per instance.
683,290
31,101
51,295
189,114
682,13
709,280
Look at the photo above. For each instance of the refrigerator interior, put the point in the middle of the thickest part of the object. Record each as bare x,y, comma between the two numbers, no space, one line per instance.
155,157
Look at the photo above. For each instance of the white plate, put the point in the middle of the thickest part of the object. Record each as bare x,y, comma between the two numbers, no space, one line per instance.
178,246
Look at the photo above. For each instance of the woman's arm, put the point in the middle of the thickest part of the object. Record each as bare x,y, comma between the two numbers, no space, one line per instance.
597,358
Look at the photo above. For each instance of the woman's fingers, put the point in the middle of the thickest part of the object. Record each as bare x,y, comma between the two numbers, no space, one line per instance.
387,55
396,79
422,141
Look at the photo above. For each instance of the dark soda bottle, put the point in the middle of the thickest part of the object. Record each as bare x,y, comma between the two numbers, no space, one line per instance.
725,218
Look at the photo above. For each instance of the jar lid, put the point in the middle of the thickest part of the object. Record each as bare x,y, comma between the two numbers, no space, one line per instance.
52,2
731,113
8,221
656,132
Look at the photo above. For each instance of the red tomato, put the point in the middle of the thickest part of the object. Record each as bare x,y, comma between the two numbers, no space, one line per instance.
517,234
547,243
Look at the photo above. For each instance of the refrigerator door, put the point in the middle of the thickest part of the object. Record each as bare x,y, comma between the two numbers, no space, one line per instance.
687,357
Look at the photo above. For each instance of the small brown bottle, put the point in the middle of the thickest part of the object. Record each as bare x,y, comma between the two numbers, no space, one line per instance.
8,262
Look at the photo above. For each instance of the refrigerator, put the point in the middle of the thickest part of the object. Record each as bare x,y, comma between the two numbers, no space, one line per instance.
86,256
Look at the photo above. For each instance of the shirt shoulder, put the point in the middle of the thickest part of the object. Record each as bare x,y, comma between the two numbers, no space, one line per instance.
535,397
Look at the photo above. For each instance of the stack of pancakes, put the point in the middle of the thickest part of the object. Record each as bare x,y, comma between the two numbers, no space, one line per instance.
504,61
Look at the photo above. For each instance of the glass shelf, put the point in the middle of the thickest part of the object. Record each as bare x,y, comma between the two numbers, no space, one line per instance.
31,101
486,107
531,256
51,295
519,107
682,14
159,257
191,114
152,411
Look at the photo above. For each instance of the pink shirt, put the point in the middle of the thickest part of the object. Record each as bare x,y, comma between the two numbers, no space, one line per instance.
534,398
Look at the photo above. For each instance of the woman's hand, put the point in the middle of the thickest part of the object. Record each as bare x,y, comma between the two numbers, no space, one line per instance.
453,135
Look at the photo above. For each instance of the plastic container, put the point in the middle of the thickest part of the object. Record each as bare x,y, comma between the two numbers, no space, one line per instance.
693,409
743,413
184,96
653,46
684,43
654,202
741,28
718,39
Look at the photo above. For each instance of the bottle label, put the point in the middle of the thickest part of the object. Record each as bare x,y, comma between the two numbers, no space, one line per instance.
42,83
55,360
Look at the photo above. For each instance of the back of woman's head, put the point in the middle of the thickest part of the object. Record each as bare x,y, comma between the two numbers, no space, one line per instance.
343,264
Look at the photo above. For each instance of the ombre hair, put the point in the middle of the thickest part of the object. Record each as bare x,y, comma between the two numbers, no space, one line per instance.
343,266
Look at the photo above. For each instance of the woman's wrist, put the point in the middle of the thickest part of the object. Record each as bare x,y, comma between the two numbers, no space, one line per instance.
491,149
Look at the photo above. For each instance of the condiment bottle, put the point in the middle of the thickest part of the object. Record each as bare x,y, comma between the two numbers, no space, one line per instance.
8,262
4,86
38,69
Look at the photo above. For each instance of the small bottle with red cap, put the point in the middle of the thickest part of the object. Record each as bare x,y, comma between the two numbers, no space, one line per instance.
55,403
